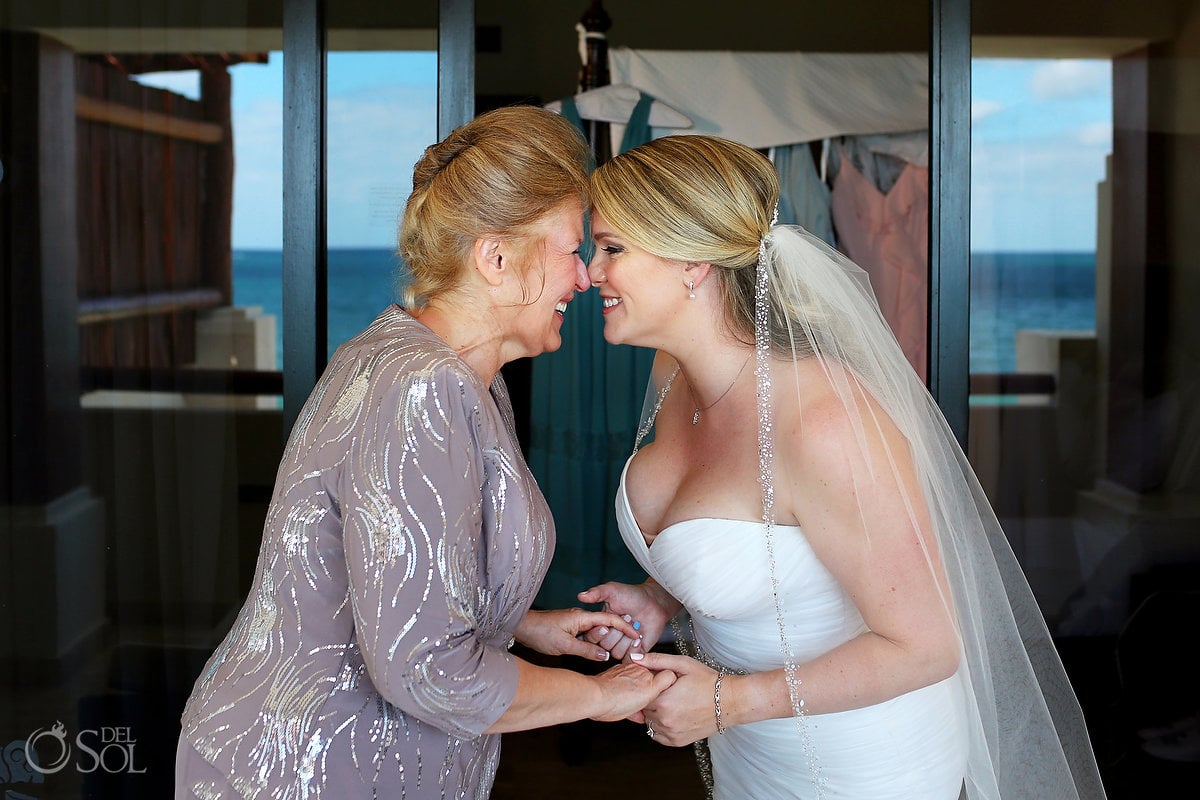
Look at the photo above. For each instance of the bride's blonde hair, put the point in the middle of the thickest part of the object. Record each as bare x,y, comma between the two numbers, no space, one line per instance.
695,198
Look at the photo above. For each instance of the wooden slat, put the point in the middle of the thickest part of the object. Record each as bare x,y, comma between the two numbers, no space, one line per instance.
95,110
107,309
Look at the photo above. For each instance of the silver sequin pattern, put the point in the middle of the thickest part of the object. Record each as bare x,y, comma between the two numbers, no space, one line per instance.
405,540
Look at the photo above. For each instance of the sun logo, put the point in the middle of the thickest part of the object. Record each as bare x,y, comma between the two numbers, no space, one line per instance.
58,732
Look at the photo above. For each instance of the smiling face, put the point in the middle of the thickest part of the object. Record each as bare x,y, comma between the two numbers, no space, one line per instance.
639,290
552,273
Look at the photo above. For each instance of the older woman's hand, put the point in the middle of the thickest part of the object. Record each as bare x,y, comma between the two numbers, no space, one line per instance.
557,632
627,688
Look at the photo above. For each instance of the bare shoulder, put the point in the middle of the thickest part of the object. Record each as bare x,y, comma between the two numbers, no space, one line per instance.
835,430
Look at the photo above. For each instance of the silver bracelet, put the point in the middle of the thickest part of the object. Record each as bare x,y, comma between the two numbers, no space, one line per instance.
717,702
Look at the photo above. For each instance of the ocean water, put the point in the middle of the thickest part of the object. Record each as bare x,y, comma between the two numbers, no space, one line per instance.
362,282
1009,292
1020,291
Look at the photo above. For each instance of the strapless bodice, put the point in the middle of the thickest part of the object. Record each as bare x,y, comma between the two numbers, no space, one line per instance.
719,570
911,747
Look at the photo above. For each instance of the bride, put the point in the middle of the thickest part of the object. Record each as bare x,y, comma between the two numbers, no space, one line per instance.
857,624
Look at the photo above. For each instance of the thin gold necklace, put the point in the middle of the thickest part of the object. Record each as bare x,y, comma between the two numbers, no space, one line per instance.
698,409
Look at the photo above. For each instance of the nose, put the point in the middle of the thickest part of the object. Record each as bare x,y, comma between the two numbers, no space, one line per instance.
593,271
582,281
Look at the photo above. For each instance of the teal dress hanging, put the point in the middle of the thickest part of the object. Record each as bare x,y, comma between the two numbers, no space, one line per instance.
586,399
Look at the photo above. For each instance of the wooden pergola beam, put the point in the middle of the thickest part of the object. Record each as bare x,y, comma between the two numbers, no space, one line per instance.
138,119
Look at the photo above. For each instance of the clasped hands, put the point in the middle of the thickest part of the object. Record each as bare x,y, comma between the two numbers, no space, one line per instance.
680,710
683,712
624,688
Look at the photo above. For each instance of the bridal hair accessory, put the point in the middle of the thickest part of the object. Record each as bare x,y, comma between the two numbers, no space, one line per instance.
762,244
691,290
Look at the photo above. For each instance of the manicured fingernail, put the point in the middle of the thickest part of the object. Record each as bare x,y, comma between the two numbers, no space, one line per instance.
637,626
603,631
637,656
602,655
627,618
637,643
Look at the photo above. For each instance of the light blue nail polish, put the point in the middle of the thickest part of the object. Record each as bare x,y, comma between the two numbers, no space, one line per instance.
637,626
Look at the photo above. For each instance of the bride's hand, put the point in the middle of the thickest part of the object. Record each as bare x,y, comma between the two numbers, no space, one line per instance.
685,712
646,604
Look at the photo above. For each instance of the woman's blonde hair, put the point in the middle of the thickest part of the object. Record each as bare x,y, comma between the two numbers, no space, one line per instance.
498,175
695,198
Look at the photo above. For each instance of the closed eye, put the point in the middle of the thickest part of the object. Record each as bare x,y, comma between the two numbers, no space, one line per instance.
612,248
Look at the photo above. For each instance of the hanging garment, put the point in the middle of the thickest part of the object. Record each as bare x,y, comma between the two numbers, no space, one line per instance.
803,195
585,399
887,234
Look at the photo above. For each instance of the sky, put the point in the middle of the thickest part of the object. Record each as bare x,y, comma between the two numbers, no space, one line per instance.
382,114
1040,132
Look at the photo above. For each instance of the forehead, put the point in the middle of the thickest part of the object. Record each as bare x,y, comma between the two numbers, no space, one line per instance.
564,222
600,226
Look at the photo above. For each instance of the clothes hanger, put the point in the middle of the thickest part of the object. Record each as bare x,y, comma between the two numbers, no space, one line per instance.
615,102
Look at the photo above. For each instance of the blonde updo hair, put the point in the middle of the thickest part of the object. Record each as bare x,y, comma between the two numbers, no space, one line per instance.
499,174
695,198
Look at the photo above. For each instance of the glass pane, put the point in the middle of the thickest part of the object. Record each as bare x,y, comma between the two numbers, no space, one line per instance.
258,197
382,114
1042,130
1083,414
142,426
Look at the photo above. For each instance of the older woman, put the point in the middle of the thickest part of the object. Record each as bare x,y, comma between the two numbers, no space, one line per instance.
406,538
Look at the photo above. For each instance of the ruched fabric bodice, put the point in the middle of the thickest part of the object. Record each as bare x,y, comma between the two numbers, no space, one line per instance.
910,747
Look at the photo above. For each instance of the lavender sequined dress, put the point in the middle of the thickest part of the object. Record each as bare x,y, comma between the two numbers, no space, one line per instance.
405,541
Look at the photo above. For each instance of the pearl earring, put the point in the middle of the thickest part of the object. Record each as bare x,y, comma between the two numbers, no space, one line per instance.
692,289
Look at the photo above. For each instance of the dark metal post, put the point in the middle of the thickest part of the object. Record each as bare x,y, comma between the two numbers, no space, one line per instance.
456,64
950,210
305,305
594,73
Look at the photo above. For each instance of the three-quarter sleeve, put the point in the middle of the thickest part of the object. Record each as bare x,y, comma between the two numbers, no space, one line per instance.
413,489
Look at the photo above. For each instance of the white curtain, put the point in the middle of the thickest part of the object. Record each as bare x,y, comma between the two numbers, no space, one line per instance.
772,99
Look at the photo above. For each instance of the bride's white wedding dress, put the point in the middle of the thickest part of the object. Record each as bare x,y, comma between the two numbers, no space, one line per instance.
912,747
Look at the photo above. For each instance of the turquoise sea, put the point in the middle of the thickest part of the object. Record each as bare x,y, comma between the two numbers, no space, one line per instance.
1018,291
362,282
1009,291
